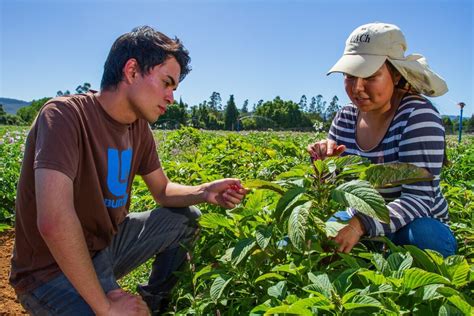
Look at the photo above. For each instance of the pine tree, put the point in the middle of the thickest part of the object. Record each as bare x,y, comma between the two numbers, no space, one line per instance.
312,106
215,103
303,103
231,115
245,106
320,105
332,108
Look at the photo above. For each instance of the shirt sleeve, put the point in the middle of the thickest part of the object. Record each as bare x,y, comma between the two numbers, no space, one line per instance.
150,160
332,135
57,139
422,144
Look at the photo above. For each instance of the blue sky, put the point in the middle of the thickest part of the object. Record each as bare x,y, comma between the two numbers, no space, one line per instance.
252,49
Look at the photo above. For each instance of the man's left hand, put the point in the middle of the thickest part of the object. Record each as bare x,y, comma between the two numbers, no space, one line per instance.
225,192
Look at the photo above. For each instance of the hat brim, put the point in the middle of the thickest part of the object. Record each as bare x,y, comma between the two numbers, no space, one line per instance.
361,66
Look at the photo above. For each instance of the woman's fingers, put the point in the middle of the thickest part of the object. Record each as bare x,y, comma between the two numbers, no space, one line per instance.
325,148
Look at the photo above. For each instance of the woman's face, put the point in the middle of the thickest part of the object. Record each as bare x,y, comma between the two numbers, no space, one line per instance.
371,94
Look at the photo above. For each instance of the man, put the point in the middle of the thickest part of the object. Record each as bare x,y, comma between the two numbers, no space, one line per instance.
74,235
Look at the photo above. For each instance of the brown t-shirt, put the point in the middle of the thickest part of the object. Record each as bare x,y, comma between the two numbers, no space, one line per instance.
74,135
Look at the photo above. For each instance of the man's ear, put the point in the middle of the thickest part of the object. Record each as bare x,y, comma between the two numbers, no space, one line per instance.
130,70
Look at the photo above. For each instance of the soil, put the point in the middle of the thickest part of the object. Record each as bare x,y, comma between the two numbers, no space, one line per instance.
9,304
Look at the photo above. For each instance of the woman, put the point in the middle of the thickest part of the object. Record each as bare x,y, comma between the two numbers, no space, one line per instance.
388,121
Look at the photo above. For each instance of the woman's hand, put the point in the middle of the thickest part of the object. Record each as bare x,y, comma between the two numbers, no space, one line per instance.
325,148
349,235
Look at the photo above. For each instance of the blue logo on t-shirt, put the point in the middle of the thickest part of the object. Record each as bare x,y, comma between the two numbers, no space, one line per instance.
118,170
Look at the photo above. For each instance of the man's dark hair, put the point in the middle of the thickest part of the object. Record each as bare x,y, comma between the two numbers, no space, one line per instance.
149,48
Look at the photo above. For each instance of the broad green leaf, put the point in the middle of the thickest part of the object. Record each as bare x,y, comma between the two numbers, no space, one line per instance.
204,270
421,258
349,295
399,261
270,275
263,236
278,291
297,225
318,301
428,292
332,228
381,264
320,284
372,289
343,281
242,249
218,287
349,160
350,260
447,291
227,256
288,310
331,166
394,174
362,197
271,153
374,277
214,220
362,302
260,309
265,185
320,166
461,304
289,268
415,277
296,172
448,310
288,200
458,270
255,201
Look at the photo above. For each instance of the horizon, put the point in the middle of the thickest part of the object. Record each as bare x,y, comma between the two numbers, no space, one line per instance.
263,50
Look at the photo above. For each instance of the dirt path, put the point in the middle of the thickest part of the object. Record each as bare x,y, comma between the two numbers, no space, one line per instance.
8,303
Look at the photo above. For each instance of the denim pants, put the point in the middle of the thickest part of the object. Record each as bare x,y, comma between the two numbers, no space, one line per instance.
425,233
160,233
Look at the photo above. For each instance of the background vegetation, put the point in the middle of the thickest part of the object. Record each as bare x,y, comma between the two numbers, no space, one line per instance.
218,114
269,255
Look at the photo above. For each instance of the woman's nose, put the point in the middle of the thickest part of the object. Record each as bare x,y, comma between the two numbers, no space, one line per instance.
358,85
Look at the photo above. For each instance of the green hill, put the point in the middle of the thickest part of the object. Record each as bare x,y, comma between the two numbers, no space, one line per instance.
12,105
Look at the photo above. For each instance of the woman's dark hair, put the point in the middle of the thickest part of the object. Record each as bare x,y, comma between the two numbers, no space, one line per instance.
149,48
402,83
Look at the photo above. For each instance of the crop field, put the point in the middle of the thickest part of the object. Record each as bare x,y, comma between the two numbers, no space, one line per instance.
273,253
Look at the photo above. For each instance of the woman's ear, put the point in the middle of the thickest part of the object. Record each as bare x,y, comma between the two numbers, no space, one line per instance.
396,78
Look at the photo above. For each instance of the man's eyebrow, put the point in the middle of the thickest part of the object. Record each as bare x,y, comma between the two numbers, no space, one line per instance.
173,82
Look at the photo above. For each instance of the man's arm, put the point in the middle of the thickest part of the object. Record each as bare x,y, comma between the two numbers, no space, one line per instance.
225,192
61,230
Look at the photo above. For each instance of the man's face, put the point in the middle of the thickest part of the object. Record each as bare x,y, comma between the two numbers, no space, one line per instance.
151,93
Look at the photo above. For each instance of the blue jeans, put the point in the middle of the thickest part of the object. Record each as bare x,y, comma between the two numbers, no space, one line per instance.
159,233
425,233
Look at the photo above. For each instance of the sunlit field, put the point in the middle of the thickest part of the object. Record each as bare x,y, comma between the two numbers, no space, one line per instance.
273,254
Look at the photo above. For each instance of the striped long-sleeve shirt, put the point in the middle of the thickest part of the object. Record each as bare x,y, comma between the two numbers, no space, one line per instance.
416,136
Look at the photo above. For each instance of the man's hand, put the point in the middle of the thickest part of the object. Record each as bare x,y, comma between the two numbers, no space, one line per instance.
325,148
123,303
349,235
225,192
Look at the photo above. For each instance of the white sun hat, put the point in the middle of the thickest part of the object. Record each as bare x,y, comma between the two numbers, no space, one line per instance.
370,45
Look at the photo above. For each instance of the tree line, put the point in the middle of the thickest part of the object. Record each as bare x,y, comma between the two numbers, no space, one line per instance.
214,114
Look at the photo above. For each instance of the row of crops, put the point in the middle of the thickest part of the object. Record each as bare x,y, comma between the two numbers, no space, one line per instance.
273,253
